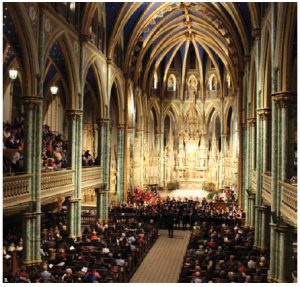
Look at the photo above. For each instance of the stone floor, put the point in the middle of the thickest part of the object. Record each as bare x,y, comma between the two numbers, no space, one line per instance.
163,262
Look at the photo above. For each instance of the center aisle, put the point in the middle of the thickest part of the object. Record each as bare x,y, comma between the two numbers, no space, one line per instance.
164,261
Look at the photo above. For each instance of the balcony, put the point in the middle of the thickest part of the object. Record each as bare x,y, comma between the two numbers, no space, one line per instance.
16,189
253,182
288,205
57,183
266,188
91,177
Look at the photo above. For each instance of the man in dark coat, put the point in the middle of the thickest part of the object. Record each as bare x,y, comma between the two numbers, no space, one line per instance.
169,222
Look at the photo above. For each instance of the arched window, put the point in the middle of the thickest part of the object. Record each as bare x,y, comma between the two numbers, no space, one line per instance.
155,81
213,83
192,83
172,83
97,30
228,80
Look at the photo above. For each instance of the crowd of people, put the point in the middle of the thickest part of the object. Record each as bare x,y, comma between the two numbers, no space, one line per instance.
13,146
223,253
106,252
54,149
220,248
184,213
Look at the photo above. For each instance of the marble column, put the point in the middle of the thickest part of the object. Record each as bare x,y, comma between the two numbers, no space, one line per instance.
120,164
264,243
75,162
99,204
275,146
32,156
223,149
245,167
32,254
283,100
130,157
251,200
284,273
104,150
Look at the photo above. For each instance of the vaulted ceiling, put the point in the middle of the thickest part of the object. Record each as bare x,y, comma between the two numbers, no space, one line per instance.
155,32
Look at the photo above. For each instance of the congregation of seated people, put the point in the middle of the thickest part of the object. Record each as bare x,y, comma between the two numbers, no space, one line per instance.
106,252
54,149
13,146
223,253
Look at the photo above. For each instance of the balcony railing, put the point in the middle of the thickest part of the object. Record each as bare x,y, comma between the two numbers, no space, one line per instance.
16,189
57,183
288,206
266,188
253,182
91,177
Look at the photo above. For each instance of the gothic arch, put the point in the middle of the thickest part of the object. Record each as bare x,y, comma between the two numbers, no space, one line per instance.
27,46
118,84
211,108
71,67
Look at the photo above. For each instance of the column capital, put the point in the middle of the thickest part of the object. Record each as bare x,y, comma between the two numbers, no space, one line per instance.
31,101
251,121
283,98
262,208
282,228
263,113
120,126
103,121
29,215
109,61
74,113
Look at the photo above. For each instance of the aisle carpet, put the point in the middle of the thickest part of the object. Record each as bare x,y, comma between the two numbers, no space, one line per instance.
163,262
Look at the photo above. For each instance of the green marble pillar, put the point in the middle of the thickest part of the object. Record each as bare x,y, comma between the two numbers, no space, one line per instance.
285,253
223,149
120,164
75,162
160,149
273,252
245,167
99,204
265,228
251,199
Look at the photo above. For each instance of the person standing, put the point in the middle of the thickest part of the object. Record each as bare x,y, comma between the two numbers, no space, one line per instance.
169,222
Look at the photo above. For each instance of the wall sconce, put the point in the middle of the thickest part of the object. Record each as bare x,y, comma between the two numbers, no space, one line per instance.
13,74
54,90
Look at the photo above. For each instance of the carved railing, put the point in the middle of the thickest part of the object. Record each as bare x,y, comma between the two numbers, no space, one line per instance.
91,177
288,206
57,183
266,187
16,189
253,182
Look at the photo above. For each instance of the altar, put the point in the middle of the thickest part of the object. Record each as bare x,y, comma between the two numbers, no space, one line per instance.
192,184
184,193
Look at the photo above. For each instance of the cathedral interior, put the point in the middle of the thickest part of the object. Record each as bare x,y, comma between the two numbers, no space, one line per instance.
103,99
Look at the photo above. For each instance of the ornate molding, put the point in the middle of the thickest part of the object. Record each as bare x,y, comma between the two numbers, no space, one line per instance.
74,113
283,98
263,113
32,101
251,121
